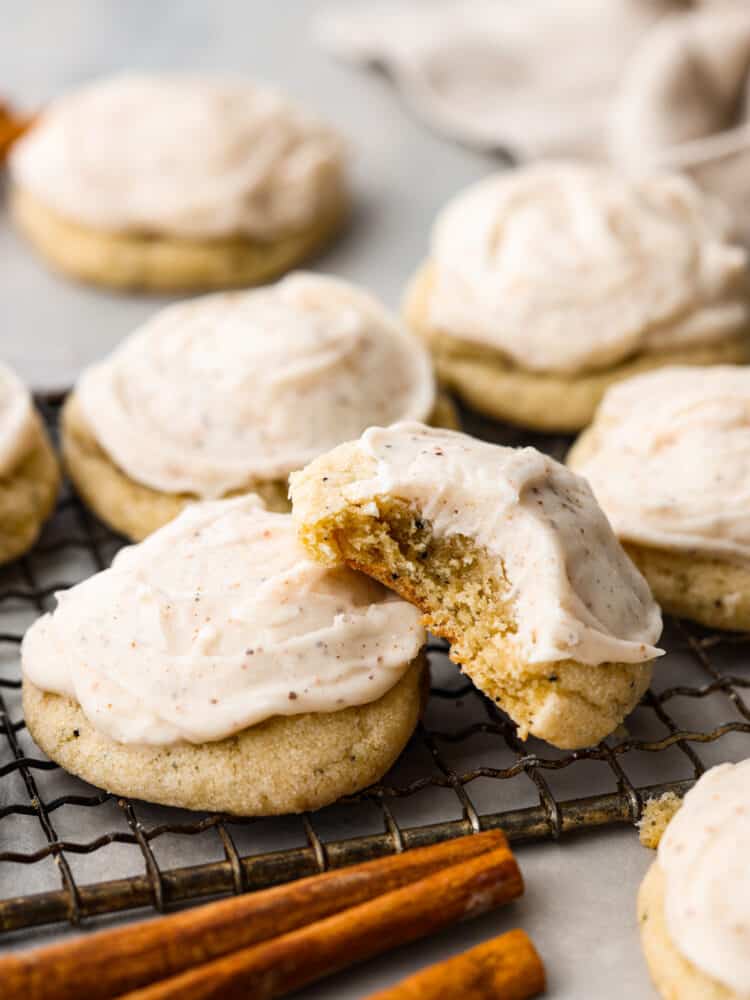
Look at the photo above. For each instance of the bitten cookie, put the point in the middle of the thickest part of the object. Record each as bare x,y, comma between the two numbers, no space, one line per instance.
229,393
215,666
508,556
29,472
170,182
668,457
694,904
545,285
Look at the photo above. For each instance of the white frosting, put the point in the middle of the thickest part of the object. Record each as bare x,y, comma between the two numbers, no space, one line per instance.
574,592
533,75
17,419
668,458
565,268
180,155
704,857
218,621
216,392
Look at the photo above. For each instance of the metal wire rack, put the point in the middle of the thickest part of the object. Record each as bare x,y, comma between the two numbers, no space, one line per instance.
84,853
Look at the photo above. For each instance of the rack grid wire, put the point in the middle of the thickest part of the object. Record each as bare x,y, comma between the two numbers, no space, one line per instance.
465,770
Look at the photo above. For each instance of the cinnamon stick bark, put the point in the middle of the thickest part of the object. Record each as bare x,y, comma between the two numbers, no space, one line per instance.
112,962
12,127
505,968
287,963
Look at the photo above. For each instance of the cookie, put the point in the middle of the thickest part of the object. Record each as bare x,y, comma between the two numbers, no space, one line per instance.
214,666
177,183
509,558
675,976
163,263
545,401
693,905
229,393
547,284
667,460
29,472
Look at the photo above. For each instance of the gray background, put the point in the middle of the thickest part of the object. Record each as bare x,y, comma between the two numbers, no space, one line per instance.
580,903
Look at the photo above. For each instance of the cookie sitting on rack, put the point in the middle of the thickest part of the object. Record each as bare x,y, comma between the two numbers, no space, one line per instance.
215,666
546,284
694,904
229,393
668,457
509,557
29,471
170,182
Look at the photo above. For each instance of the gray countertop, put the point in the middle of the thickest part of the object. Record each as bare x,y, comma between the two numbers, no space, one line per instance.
580,903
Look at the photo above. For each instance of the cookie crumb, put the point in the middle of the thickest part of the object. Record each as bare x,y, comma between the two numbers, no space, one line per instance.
656,816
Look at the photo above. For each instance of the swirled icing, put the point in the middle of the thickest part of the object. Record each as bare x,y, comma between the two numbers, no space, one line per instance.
221,391
703,855
186,156
218,621
565,268
668,457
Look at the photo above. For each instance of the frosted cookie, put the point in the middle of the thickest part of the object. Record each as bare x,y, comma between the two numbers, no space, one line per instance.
546,284
694,904
170,182
29,472
668,457
509,557
215,666
229,393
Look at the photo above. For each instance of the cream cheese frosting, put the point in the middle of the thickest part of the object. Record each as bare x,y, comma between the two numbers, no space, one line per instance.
668,458
567,268
17,419
218,621
217,392
704,857
575,593
186,156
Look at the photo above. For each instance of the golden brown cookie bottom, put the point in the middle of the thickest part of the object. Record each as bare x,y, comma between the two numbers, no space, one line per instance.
486,381
163,263
283,765
675,976
706,589
27,496
460,589
135,510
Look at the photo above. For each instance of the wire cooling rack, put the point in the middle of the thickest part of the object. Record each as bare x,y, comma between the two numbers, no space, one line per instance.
79,853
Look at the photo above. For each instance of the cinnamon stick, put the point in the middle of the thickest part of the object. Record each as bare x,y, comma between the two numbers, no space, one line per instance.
112,962
12,127
289,962
505,968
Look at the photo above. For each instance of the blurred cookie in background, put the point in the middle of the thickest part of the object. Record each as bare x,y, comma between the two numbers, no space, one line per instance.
171,182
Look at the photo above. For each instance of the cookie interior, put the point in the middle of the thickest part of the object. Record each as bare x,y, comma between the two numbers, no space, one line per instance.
462,590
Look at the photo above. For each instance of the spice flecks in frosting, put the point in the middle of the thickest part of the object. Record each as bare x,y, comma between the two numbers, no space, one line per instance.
703,855
668,458
574,591
218,621
217,392
569,268
186,156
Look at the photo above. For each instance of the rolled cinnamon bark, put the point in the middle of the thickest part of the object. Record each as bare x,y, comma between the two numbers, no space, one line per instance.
505,968
113,962
287,963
